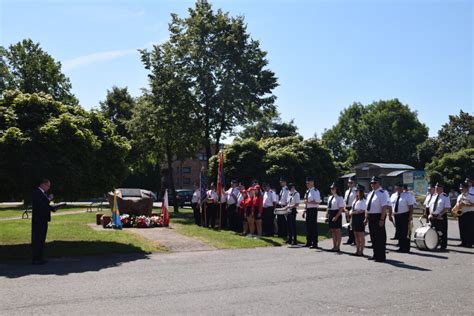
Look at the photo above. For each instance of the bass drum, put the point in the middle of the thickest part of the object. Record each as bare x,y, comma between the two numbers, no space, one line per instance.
426,238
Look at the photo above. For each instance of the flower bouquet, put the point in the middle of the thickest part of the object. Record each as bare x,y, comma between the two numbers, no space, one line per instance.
155,221
143,222
126,221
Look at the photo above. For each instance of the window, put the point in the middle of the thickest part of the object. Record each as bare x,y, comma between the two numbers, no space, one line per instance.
186,169
186,180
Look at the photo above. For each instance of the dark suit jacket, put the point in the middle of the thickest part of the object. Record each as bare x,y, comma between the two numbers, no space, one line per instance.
41,209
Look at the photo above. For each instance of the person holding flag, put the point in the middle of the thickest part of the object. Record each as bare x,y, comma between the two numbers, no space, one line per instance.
220,184
211,206
164,210
116,221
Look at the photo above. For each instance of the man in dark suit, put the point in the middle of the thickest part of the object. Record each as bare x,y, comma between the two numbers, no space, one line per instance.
41,215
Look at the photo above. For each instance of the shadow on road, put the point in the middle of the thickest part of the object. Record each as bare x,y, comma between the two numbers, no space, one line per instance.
400,264
109,254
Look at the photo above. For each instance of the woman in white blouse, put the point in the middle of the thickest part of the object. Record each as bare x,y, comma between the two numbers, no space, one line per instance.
359,206
336,207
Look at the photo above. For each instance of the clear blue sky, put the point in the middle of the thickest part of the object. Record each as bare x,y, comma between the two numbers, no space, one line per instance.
326,54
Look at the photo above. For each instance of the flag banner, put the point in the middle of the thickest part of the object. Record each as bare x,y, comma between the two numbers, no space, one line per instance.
203,186
220,174
116,221
164,210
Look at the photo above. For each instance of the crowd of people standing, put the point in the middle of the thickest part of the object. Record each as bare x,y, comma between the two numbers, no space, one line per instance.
258,211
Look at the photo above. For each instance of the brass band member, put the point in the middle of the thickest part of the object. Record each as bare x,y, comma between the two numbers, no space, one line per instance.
359,207
465,203
439,208
402,207
334,216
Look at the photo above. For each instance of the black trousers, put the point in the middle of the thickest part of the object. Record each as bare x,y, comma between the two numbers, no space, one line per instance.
312,226
282,226
223,215
211,215
197,213
442,226
397,232
466,228
350,232
267,221
401,225
291,225
233,217
39,229
378,236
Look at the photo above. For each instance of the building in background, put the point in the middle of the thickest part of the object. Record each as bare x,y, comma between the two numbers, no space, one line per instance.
389,173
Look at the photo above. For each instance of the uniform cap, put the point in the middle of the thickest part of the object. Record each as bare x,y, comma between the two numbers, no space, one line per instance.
374,179
439,185
360,187
309,179
333,186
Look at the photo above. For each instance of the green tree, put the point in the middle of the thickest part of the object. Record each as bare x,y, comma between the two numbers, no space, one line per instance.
40,137
384,131
451,168
118,108
24,66
271,158
267,127
226,71
164,125
457,134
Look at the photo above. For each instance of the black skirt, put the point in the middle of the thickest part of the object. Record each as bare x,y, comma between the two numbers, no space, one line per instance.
338,222
357,222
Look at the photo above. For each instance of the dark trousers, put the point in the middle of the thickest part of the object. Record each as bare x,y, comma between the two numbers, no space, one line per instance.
267,221
39,229
197,213
223,215
233,217
466,228
397,232
401,225
291,225
442,226
312,226
378,236
350,232
211,215
282,226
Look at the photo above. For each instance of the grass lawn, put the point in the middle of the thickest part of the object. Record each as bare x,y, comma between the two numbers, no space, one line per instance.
18,211
183,223
70,235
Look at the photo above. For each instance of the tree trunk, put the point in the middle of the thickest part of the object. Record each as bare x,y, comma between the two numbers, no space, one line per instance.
169,158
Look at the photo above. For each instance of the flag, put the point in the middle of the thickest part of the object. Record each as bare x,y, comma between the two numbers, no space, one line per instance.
203,186
220,175
116,222
164,210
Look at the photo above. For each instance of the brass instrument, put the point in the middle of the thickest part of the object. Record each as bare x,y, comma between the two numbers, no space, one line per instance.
456,211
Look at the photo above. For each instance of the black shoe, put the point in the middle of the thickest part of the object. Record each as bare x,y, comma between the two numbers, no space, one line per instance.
348,243
461,245
371,258
306,245
288,241
313,247
393,238
380,260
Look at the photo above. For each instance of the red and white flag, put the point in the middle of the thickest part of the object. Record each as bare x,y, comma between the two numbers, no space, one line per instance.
220,174
164,210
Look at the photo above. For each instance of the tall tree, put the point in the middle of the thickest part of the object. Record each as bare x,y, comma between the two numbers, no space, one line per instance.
267,127
24,66
226,71
457,134
385,131
452,168
40,137
118,107
163,124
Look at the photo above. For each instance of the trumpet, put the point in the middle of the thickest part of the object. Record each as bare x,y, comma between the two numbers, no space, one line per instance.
456,211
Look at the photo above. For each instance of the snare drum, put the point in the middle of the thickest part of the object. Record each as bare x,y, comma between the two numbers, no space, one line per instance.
282,211
426,238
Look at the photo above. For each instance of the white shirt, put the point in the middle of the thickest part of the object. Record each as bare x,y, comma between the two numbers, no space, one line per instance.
240,197
283,198
466,197
377,200
212,195
196,196
438,204
232,195
471,190
268,199
428,199
359,205
293,198
313,197
335,202
223,197
351,194
406,200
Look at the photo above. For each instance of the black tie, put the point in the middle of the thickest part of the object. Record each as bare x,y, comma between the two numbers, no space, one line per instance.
370,201
435,203
348,196
330,202
396,203
306,195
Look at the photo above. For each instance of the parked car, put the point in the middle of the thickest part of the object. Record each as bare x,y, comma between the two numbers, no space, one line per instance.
184,197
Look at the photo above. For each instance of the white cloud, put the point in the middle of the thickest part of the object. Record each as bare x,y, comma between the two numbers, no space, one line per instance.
71,64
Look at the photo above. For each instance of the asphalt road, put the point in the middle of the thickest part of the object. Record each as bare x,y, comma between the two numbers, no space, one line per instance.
274,280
